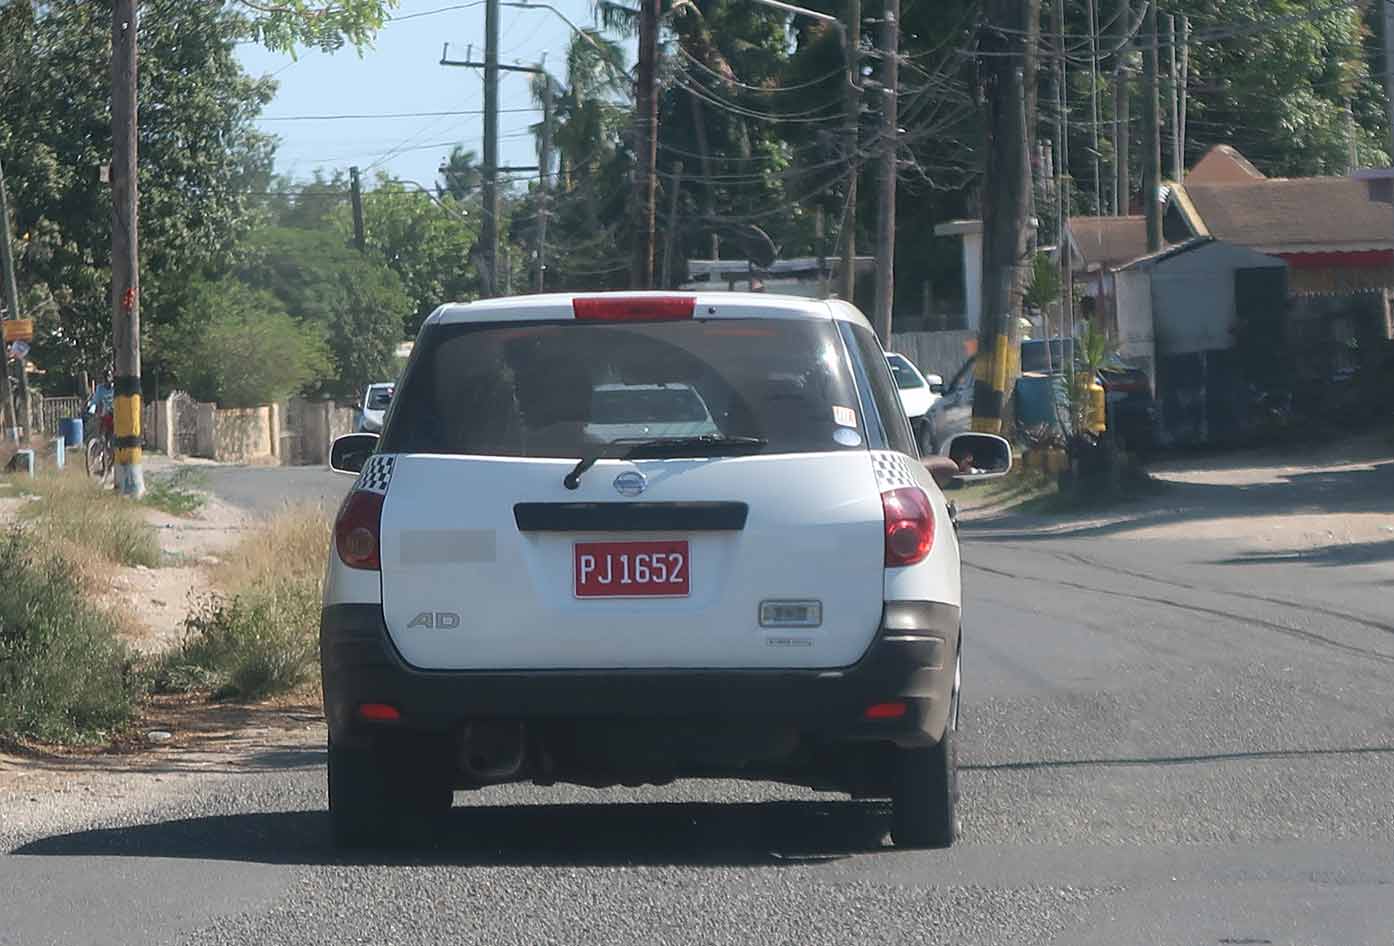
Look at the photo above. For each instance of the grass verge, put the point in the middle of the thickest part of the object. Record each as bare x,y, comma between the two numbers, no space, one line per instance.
257,638
64,676
87,525
177,493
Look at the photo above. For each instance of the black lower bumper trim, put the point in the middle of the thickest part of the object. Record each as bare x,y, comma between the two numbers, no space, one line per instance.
911,660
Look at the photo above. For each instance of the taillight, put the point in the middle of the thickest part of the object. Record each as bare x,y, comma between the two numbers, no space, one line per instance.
633,308
909,525
357,529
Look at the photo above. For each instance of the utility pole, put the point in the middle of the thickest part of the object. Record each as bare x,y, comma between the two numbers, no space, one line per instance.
1389,75
1352,152
356,194
489,169
1151,132
675,191
646,120
1185,81
489,228
1094,106
1178,159
544,182
1008,44
852,38
11,300
890,166
1122,107
125,247
1062,179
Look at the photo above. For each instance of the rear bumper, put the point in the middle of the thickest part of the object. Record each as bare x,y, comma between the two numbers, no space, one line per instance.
911,661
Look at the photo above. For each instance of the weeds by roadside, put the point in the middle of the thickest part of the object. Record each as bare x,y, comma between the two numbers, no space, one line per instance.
64,676
177,493
257,638
89,526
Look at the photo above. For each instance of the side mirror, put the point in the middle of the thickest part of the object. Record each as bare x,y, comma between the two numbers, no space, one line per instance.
936,387
935,382
978,456
348,453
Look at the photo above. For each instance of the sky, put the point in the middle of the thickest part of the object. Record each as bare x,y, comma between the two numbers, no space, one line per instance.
402,73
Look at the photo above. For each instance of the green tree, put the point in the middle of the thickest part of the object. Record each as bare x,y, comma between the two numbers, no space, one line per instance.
460,174
282,25
241,348
200,155
426,240
355,301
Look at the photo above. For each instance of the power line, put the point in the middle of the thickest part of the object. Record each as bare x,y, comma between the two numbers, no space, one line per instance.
377,115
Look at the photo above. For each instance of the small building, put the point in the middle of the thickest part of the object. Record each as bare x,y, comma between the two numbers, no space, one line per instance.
1195,316
1336,235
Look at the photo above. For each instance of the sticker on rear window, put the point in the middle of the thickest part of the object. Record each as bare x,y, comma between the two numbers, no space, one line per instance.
844,416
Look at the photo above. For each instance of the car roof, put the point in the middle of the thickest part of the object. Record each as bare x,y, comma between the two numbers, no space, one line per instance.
721,305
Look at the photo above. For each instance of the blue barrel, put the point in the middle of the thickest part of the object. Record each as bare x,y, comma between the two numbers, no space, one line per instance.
71,429
1038,399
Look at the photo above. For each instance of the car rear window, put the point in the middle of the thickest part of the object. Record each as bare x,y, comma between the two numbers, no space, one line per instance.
549,389
379,398
905,377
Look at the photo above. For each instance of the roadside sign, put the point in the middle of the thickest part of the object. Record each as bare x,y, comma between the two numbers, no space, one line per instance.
19,330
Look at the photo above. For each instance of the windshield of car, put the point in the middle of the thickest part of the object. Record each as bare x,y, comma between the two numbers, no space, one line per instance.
560,389
906,377
379,397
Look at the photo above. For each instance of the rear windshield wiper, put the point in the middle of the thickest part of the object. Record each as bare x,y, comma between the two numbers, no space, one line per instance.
704,446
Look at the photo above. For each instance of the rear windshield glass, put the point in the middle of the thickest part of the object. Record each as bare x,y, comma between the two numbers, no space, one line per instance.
379,398
905,377
559,389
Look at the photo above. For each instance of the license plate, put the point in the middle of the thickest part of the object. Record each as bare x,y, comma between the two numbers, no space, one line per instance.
632,569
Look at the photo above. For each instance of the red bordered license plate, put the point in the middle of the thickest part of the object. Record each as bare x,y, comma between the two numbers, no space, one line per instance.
632,569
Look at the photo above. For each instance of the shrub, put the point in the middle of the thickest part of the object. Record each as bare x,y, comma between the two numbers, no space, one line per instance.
243,349
255,644
64,676
258,638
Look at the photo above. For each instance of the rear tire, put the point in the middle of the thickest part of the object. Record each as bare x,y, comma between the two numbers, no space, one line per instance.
378,802
926,792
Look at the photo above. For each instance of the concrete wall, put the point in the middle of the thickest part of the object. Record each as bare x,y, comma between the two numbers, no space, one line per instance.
941,353
312,427
206,438
243,435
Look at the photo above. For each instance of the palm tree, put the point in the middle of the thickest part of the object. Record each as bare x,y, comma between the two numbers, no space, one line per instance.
461,174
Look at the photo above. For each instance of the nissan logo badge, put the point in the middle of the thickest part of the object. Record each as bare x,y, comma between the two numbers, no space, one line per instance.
631,483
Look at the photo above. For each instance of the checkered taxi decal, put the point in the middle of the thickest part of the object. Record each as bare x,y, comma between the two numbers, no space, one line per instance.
376,474
892,470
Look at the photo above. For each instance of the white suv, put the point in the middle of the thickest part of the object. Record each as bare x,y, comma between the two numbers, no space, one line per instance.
514,596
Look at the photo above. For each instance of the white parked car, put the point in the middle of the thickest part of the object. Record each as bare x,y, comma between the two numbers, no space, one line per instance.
620,411
918,392
513,595
376,400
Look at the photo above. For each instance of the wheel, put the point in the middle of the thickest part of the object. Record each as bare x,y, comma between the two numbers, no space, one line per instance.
926,790
376,802
923,806
98,459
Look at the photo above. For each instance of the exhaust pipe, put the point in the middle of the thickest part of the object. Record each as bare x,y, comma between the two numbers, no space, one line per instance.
493,751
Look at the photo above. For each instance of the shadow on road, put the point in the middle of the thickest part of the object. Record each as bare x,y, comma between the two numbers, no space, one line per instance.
1259,756
1330,556
692,834
1365,489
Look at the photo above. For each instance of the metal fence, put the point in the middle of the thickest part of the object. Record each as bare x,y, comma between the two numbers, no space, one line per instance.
51,410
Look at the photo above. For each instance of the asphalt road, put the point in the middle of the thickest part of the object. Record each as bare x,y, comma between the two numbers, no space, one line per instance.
1164,742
